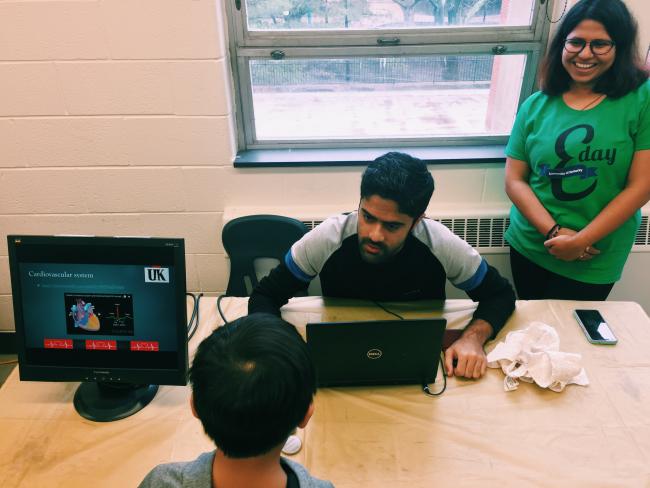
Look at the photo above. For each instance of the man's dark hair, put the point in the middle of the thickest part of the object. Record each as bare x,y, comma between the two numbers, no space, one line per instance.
402,178
252,381
625,74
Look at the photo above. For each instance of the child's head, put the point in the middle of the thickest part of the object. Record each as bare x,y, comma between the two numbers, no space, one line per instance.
252,384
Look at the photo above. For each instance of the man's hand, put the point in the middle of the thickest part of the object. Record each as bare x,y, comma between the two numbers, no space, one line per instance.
468,353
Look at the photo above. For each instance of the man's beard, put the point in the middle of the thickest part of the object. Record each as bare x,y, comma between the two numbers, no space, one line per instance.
381,256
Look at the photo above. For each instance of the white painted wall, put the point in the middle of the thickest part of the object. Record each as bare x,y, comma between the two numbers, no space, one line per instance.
641,10
116,118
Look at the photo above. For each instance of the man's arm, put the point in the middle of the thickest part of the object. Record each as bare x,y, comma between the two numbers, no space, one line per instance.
496,303
301,264
496,300
274,291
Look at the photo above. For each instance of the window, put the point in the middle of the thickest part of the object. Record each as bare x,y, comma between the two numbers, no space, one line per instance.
382,73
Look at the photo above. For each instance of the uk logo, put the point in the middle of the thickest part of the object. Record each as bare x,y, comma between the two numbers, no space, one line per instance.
156,275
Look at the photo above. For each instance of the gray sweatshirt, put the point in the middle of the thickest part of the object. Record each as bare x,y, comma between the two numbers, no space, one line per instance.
198,474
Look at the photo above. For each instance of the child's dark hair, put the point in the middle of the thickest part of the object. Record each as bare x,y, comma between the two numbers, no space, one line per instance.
252,383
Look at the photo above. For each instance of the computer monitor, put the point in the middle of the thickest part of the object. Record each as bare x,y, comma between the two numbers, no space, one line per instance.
107,311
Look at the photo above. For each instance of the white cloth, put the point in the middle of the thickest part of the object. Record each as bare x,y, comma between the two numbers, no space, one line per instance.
533,355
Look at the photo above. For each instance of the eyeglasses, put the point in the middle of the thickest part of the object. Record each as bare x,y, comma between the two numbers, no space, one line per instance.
597,46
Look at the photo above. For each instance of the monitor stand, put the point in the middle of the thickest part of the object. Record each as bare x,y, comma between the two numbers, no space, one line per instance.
105,401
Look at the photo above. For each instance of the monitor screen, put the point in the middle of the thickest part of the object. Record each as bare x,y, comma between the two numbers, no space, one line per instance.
108,310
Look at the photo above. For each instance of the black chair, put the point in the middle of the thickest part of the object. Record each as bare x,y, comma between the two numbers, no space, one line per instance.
247,239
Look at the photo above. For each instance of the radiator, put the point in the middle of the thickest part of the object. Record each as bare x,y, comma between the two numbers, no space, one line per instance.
484,230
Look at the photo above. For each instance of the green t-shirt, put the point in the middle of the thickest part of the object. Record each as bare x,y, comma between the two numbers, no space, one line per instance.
579,161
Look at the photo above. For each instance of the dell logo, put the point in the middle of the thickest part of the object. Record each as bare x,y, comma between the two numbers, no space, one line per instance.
156,275
374,354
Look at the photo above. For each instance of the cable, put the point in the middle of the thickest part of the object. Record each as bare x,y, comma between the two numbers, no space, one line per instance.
198,310
425,387
193,324
548,16
189,324
223,317
195,313
388,311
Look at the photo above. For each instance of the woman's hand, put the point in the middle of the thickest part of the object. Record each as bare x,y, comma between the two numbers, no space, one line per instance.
519,191
568,246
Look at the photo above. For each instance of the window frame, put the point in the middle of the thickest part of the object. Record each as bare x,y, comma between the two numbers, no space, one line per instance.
305,44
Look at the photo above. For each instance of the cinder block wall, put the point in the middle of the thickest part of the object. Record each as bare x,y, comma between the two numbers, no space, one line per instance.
116,118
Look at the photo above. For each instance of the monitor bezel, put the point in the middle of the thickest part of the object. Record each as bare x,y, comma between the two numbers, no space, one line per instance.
35,372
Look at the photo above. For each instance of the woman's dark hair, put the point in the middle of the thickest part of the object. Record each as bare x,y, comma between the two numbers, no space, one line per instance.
402,178
627,72
252,383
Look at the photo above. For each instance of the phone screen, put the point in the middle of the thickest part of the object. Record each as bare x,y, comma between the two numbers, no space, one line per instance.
595,325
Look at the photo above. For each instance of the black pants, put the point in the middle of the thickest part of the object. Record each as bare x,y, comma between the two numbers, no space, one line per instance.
536,283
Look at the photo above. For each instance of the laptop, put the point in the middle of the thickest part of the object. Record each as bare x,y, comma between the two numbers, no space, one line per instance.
378,352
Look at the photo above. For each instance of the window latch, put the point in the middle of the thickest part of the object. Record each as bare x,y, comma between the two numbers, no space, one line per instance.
394,41
238,4
499,49
277,54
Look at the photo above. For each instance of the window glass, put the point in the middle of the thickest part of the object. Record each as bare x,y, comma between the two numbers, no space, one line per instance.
364,73
385,14
398,97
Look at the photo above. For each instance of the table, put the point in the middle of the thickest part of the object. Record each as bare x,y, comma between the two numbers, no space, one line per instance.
475,434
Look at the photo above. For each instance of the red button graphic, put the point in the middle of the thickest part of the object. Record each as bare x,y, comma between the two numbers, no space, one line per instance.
58,343
145,346
101,345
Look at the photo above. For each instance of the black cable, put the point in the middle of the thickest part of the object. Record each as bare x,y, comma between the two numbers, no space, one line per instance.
223,317
193,324
425,387
195,312
189,324
198,310
197,321
388,311
548,16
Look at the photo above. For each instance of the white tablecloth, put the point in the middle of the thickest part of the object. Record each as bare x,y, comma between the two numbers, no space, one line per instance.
474,435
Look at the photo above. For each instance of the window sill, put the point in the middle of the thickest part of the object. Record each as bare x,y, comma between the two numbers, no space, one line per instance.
274,158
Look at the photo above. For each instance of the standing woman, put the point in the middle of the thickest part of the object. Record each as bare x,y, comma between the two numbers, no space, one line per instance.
578,159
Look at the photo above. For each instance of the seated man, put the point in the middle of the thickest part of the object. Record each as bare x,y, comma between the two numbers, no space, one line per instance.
387,250
253,383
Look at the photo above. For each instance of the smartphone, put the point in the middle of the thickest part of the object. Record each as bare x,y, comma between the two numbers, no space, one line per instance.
595,327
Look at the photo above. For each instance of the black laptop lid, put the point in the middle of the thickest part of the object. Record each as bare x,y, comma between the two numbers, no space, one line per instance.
376,352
